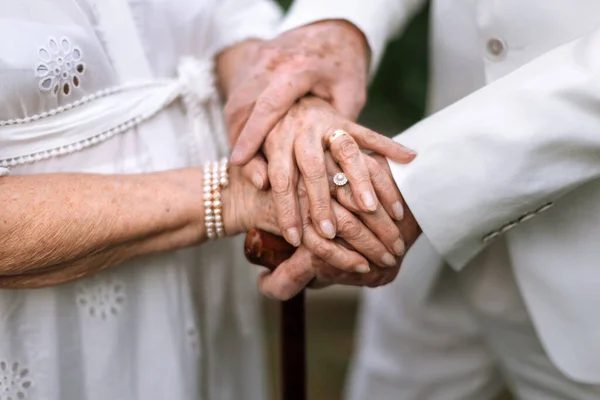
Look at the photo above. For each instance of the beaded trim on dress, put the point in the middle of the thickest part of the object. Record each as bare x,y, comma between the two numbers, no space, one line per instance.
194,86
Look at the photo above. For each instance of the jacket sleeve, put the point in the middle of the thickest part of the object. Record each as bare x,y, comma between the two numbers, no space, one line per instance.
379,20
507,152
239,20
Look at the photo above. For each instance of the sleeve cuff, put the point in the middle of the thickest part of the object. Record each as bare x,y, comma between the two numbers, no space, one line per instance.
256,21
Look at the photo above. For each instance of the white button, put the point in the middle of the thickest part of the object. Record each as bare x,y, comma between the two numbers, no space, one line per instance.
496,47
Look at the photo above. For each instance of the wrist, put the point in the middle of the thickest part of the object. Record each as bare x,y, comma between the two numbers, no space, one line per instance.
235,216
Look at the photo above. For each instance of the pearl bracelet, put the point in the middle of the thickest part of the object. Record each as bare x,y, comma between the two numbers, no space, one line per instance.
216,177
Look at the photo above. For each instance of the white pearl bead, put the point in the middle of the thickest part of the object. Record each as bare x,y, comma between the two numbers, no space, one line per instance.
208,204
217,204
11,121
224,181
218,218
209,218
35,117
209,211
60,109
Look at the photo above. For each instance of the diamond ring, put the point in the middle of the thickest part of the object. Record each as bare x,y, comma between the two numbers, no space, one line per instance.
340,179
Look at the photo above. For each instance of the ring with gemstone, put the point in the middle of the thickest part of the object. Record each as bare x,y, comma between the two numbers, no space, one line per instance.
340,179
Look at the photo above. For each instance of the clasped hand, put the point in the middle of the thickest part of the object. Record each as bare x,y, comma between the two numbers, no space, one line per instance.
341,238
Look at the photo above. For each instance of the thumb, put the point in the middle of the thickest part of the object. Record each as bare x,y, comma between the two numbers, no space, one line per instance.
256,172
349,98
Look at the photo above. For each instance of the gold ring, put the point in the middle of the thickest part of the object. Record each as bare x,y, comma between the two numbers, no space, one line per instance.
335,135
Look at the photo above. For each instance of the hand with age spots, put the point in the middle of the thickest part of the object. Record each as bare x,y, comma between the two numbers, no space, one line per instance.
328,59
298,147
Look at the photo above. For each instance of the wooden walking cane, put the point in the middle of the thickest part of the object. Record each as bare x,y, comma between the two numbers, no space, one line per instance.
267,250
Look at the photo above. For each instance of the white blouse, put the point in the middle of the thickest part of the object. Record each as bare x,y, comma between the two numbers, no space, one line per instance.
117,86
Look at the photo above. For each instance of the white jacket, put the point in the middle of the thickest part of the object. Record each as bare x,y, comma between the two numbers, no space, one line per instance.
491,164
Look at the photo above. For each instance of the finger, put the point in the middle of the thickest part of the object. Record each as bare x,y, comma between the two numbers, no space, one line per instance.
311,162
332,252
283,176
269,108
256,172
239,106
379,222
362,239
385,187
370,140
290,277
346,152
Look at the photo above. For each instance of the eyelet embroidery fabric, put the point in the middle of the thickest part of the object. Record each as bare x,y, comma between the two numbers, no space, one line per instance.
15,381
101,297
61,67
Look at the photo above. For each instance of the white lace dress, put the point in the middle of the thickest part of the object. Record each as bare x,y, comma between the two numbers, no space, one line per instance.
105,86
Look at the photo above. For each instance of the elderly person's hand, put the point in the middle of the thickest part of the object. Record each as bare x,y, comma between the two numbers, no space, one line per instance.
110,219
305,267
297,147
328,59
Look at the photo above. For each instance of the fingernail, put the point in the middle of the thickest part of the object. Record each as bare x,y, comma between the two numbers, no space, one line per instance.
399,247
328,229
388,259
398,210
235,156
257,180
362,269
293,237
369,201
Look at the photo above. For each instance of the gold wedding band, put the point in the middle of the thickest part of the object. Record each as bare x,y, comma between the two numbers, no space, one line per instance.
335,135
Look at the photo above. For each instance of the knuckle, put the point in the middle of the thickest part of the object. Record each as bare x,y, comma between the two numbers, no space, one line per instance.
265,105
349,228
314,169
319,207
348,149
324,250
281,183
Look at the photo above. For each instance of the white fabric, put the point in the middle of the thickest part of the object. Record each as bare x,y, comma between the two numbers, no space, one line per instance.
491,164
470,339
182,325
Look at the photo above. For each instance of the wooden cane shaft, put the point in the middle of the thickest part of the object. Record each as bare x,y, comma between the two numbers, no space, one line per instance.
262,248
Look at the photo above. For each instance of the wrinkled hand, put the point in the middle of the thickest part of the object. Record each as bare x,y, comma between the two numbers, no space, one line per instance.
298,271
328,59
297,147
